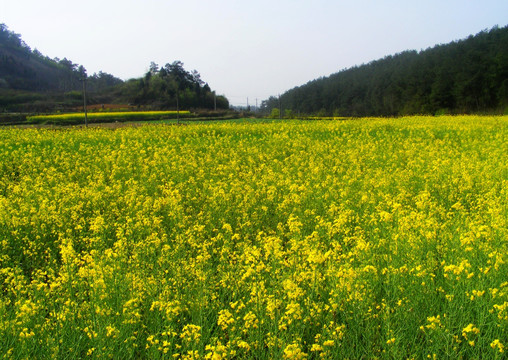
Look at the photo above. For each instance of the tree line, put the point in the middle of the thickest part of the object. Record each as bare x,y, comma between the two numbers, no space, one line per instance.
172,86
22,68
30,81
466,76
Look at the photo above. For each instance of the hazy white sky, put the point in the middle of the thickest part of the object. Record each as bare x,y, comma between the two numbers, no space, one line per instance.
243,48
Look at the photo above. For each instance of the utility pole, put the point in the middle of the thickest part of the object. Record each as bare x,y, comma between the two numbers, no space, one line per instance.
256,104
214,101
83,79
177,108
280,109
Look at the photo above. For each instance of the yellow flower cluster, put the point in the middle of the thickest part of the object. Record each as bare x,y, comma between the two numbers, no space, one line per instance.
372,238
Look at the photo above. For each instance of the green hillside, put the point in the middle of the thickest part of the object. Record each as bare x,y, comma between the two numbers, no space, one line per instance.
465,76
32,82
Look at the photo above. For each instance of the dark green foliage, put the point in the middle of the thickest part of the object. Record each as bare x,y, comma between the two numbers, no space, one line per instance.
32,82
27,70
160,88
466,76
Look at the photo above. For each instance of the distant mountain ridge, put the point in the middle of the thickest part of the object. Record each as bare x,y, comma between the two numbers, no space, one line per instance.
465,76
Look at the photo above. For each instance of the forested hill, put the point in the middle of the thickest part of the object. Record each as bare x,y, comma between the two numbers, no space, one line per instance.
465,76
24,69
32,82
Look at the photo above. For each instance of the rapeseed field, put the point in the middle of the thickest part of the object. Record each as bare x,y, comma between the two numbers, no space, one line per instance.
369,238
77,118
